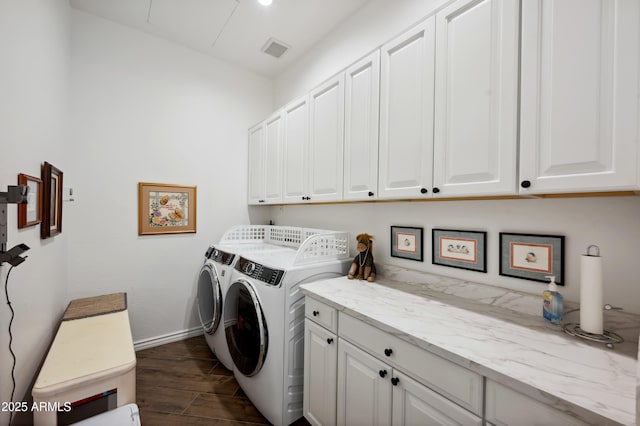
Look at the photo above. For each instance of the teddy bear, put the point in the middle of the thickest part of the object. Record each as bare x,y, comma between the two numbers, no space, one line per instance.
362,267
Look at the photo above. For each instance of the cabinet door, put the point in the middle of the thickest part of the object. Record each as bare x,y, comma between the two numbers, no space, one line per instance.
296,141
364,396
320,374
476,98
416,404
326,140
256,165
362,104
406,114
273,158
579,90
507,407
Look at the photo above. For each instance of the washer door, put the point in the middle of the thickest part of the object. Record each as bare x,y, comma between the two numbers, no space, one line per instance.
245,328
209,298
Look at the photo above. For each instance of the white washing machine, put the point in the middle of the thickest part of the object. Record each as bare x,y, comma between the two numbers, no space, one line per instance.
215,273
213,281
264,320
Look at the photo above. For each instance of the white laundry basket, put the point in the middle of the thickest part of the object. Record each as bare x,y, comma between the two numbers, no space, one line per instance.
127,415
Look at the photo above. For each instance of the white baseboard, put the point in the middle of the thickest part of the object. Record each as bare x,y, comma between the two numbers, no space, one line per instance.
167,338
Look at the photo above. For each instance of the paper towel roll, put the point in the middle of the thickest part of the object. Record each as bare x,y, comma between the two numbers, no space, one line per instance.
591,305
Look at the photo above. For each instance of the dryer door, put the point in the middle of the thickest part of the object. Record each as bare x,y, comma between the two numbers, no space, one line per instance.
245,328
209,298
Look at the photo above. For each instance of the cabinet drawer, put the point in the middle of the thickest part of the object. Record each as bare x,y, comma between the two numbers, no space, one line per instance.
322,314
451,380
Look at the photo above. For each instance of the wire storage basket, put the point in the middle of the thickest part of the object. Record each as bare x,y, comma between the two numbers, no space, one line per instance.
312,245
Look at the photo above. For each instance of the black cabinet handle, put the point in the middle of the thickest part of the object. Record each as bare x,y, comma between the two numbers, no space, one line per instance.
330,340
395,381
370,194
383,373
424,190
316,313
525,184
388,352
436,190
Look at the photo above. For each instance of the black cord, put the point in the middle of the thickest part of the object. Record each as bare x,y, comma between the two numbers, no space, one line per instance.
13,378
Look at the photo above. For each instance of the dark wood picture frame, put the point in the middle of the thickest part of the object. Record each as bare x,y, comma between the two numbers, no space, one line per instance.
51,201
30,214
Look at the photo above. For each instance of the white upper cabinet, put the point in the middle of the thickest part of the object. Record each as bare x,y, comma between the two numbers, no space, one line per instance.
326,141
579,95
265,161
256,165
476,98
362,104
273,129
406,114
296,146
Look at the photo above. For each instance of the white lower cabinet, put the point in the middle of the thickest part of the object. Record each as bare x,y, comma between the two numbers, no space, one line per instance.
370,392
362,375
320,367
507,407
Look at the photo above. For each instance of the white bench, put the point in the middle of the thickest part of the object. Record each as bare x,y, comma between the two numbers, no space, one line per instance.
89,356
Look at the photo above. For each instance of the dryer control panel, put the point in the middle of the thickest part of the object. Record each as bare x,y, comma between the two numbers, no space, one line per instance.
219,256
259,272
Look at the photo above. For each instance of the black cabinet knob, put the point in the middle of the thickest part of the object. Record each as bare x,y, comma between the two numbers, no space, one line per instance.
436,190
395,381
370,194
383,373
388,352
525,184
330,340
316,313
424,190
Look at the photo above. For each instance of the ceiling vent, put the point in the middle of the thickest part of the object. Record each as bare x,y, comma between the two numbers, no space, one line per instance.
275,48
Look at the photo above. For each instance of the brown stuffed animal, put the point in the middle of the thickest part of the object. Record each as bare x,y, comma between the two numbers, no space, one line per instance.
362,267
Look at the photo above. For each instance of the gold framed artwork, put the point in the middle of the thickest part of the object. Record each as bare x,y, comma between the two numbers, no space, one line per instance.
51,224
30,214
166,208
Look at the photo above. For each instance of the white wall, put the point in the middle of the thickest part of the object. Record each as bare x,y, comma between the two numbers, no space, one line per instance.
146,110
34,81
611,223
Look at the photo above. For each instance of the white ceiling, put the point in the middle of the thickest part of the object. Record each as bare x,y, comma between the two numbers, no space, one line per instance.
232,30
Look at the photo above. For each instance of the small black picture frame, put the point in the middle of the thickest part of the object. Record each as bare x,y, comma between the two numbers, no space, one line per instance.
460,249
532,257
406,242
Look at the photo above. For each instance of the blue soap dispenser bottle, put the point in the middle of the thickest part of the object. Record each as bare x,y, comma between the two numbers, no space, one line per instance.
552,308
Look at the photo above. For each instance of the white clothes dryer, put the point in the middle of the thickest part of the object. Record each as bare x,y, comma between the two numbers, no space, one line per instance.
213,281
264,320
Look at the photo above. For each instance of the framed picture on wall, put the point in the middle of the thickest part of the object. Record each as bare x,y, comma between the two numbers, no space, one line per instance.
166,209
51,224
30,214
532,257
406,242
460,249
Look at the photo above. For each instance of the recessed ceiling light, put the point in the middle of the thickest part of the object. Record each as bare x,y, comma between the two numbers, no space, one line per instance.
265,2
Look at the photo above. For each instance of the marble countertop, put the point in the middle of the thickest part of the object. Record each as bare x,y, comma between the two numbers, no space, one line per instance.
499,334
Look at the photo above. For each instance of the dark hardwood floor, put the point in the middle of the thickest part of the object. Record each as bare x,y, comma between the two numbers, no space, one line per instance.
182,383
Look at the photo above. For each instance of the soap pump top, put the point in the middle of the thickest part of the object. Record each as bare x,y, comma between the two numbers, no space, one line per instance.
552,283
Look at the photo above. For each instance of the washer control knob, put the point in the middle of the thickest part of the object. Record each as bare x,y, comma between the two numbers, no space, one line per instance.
249,268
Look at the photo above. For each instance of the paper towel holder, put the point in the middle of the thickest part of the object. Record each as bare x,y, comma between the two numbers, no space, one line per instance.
609,338
597,250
